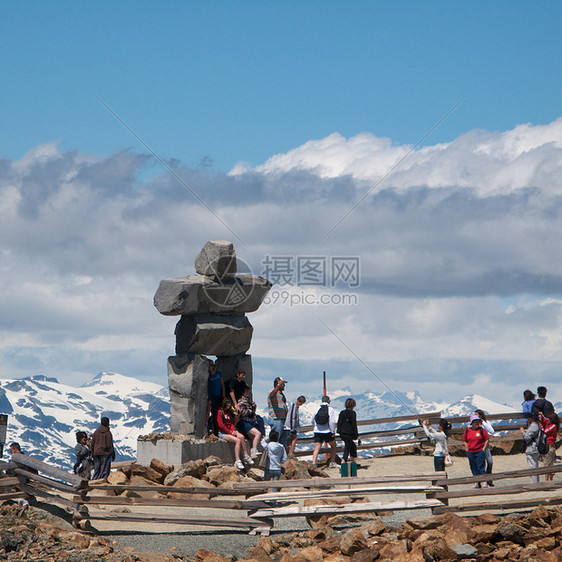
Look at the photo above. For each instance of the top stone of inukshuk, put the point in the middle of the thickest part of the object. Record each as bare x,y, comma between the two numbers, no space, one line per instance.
217,288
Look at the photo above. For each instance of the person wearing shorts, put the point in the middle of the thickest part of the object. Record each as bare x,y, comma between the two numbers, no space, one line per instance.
325,433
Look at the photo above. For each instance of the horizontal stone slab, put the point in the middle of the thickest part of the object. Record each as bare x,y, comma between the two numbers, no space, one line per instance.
213,334
200,294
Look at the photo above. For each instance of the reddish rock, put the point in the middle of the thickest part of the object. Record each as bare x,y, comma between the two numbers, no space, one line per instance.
204,555
353,541
161,468
296,470
147,473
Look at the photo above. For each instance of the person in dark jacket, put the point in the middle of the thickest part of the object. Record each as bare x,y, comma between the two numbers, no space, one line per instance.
102,450
541,404
347,429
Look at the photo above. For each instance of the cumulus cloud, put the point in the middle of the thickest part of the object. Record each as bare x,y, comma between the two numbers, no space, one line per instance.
461,265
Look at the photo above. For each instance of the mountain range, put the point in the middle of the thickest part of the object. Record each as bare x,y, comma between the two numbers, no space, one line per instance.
44,415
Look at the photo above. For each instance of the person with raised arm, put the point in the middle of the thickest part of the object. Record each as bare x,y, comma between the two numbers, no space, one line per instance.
439,438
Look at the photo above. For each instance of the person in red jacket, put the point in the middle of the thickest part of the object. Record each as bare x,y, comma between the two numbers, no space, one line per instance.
102,449
225,422
475,442
550,424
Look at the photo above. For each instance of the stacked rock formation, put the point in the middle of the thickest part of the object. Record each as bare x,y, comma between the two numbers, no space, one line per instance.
213,306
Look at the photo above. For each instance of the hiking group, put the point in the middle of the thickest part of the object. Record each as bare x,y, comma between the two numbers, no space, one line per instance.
539,437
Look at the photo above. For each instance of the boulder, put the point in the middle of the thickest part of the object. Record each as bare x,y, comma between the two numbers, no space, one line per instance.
195,469
217,258
137,480
146,472
221,474
190,482
296,470
353,541
161,468
213,334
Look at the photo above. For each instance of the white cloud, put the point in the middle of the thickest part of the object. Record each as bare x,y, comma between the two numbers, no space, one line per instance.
461,265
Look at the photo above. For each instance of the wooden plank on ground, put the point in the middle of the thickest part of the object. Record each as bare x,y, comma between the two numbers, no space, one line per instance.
46,481
501,505
51,471
318,482
12,495
354,492
7,482
32,491
169,502
303,511
247,522
163,489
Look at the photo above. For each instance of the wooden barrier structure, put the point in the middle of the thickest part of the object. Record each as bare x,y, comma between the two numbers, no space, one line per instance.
254,506
414,434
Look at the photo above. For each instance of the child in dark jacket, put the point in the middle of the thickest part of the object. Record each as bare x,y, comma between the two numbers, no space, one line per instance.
347,429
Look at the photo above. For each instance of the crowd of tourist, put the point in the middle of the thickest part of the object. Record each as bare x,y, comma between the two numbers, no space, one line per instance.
232,416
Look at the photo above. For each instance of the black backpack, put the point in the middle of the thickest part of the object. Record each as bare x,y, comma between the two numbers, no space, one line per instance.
542,443
322,417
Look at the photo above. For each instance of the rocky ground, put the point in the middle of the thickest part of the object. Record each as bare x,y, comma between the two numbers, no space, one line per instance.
27,533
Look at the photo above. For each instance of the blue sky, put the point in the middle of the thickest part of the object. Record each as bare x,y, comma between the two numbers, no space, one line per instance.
236,82
289,120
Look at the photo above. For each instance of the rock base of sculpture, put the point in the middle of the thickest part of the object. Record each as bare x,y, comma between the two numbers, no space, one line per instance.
178,450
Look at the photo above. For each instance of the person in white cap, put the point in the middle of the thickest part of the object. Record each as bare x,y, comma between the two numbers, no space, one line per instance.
475,442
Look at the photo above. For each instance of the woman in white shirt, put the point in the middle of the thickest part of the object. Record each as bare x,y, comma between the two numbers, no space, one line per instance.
488,451
438,437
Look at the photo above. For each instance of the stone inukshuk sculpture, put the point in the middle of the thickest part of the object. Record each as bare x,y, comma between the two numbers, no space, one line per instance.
213,306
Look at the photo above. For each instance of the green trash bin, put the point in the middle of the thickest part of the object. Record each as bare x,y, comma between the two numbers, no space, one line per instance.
353,468
344,470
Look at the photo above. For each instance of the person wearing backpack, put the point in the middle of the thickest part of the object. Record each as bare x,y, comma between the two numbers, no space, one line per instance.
530,438
550,425
324,422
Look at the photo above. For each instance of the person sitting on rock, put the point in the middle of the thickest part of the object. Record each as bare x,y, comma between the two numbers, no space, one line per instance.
248,425
237,386
226,424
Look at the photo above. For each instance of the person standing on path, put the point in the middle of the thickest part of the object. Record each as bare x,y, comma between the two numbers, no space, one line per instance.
438,437
347,430
475,439
293,424
324,422
84,463
541,404
102,449
550,425
488,451
278,408
276,456
530,437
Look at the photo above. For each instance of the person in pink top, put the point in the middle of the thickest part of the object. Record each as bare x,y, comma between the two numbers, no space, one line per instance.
550,425
476,439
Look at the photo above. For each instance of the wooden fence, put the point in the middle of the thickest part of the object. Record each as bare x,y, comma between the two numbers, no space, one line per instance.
409,434
254,506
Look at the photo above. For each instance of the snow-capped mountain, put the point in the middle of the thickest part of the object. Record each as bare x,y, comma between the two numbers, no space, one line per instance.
44,414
